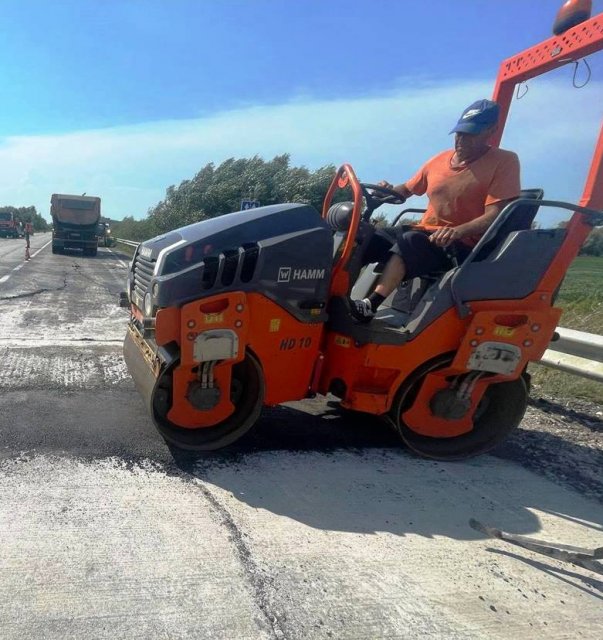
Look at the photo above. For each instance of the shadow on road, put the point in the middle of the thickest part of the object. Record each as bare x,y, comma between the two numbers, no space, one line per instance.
348,472
322,468
571,576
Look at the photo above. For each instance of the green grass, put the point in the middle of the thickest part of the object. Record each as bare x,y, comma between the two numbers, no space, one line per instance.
125,249
581,298
581,295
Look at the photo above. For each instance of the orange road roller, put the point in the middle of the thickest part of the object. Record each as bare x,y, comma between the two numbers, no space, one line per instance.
252,309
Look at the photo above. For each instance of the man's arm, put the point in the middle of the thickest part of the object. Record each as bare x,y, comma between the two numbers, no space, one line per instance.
415,186
444,236
402,189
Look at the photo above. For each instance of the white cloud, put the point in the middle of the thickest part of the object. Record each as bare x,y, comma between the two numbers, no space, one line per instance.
384,136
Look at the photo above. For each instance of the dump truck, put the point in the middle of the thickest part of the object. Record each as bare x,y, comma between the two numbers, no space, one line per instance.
8,225
75,221
103,231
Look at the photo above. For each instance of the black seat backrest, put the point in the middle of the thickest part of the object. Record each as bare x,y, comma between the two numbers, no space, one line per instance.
521,218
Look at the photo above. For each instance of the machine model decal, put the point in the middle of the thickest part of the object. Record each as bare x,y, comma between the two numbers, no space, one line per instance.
288,344
286,274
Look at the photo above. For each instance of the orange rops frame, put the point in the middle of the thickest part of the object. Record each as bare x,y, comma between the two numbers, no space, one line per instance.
344,177
576,43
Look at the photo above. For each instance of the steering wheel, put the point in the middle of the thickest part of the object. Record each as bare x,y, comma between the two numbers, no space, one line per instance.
389,196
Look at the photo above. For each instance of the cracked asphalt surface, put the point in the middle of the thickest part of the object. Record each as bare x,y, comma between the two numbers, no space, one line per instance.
316,525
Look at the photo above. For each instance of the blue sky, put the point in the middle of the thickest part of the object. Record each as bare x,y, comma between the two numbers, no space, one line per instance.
122,99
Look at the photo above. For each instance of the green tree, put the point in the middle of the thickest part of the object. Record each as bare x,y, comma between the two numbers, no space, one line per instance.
214,191
594,243
136,230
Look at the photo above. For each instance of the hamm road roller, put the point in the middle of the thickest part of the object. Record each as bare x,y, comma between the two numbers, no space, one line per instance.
252,309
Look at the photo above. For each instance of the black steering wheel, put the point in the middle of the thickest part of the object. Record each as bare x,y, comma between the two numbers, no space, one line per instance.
373,201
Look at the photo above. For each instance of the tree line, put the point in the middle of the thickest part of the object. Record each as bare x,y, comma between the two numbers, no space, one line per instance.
216,190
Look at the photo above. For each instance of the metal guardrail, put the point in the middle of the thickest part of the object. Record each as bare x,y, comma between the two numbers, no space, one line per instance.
576,352
572,351
129,243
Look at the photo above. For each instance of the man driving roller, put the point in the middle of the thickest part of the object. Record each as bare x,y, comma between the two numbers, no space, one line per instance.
467,188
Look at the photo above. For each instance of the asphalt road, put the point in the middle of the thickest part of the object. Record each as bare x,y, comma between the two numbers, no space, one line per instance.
316,525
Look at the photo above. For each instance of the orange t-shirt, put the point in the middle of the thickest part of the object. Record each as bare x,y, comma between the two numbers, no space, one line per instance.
458,195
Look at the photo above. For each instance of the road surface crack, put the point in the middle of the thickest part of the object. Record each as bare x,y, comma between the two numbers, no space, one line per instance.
36,292
260,584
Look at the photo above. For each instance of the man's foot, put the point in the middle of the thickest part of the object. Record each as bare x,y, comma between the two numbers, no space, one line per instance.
362,310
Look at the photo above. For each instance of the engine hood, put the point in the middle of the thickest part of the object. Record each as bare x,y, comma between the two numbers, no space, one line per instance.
210,237
283,252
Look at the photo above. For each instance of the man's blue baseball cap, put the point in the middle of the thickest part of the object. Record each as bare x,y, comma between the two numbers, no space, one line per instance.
478,117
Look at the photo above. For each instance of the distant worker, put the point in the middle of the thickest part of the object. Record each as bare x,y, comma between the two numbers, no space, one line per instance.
467,187
28,231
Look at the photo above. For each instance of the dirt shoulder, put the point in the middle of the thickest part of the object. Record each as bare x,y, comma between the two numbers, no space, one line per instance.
563,441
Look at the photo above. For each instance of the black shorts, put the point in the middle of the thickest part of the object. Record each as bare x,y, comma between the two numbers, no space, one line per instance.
421,256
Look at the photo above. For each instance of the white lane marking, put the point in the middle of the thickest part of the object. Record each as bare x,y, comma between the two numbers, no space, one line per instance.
119,261
41,248
5,278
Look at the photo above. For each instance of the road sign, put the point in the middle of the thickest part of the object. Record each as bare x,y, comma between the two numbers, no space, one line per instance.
249,204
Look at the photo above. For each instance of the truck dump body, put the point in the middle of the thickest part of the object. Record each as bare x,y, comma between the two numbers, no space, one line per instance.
75,220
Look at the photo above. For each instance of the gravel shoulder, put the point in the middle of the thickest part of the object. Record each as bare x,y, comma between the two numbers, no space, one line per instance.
563,441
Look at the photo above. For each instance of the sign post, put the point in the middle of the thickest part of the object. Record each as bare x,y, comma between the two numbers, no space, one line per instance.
249,204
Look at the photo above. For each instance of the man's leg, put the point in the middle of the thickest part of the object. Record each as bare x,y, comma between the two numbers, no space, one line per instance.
393,274
420,257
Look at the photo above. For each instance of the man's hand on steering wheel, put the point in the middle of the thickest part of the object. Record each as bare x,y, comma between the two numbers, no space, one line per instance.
386,184
382,193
